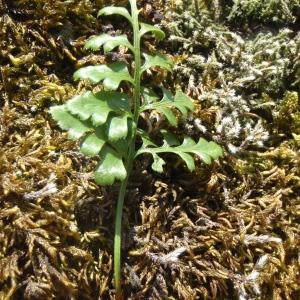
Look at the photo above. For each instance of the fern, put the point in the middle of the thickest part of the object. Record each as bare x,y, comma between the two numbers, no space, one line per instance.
106,122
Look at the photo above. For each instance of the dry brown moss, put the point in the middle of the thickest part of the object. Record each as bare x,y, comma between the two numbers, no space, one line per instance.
226,224
45,251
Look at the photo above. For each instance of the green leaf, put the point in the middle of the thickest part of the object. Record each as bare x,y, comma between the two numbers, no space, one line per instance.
92,144
158,33
110,168
188,159
168,114
159,60
207,151
115,10
146,139
169,138
122,146
181,102
149,95
117,128
76,128
108,42
158,163
98,106
112,74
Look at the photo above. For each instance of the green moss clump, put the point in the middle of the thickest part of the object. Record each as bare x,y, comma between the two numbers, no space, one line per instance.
277,11
287,113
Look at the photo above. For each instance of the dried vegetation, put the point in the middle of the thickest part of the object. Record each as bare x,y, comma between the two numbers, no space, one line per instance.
227,231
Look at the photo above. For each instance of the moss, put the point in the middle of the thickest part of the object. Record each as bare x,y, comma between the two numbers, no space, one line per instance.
275,11
288,114
224,231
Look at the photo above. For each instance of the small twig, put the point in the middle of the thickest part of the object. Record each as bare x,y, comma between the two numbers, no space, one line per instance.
49,189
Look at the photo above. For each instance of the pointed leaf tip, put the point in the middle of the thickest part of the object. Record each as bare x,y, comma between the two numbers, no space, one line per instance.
159,60
66,121
158,164
115,10
158,33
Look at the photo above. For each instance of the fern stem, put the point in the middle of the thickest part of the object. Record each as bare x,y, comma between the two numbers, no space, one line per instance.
117,239
131,151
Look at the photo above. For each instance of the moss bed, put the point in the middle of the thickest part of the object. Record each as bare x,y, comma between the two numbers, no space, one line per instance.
227,231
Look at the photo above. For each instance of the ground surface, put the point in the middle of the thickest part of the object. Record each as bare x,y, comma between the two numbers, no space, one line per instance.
228,230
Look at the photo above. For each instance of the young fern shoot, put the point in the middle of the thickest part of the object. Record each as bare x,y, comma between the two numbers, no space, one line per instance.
106,123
